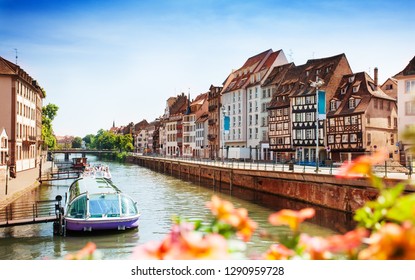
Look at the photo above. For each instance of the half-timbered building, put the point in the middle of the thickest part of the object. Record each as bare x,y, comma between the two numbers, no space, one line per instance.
361,119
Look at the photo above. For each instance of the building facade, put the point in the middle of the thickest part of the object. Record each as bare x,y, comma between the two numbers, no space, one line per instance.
242,100
361,119
214,109
406,111
21,116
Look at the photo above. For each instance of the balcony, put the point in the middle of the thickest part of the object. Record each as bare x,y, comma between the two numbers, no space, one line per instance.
212,137
212,108
212,121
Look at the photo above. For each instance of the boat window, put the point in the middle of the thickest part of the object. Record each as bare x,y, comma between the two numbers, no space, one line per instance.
77,209
104,205
128,206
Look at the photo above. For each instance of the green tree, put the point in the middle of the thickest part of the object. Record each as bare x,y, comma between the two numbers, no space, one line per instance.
77,142
89,141
49,112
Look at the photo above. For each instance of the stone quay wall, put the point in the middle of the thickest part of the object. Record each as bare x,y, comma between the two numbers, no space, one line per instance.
319,189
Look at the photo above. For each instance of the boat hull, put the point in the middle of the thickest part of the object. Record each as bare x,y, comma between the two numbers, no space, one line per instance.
94,224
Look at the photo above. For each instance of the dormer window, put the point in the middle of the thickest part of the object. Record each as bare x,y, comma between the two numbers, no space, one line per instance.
352,104
351,79
317,71
307,73
355,89
343,90
333,106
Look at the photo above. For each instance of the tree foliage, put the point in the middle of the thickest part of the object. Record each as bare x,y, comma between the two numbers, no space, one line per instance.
49,113
77,142
107,140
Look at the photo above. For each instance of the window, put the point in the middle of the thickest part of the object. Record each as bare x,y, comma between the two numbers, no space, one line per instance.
351,103
345,138
351,79
375,103
355,89
368,119
410,108
395,122
309,134
381,104
392,139
333,105
285,111
369,139
389,121
332,122
347,120
410,86
331,139
354,119
353,138
343,90
309,116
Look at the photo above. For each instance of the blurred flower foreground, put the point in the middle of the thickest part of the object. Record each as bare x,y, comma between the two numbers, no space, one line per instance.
385,230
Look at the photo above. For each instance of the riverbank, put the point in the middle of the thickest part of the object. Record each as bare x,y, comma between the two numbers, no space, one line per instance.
25,181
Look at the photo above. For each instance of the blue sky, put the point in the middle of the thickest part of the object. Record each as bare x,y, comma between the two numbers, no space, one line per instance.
105,61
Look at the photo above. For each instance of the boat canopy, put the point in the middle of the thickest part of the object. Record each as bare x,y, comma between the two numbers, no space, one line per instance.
92,186
98,198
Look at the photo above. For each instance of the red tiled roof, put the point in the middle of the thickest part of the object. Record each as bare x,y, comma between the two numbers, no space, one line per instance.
6,67
366,91
243,74
409,69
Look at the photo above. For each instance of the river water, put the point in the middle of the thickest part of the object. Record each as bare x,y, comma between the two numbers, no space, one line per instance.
160,197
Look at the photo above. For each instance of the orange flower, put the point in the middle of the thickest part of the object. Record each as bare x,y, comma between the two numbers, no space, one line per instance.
182,243
222,209
362,165
86,253
290,217
237,218
278,252
391,242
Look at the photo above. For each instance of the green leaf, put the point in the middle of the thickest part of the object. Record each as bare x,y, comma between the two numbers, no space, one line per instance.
403,210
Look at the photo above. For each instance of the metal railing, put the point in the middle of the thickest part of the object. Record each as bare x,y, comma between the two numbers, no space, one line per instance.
27,211
387,170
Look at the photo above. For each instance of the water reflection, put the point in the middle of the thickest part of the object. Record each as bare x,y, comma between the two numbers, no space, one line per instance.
159,197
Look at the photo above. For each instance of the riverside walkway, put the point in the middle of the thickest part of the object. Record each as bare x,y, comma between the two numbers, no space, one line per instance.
24,182
389,170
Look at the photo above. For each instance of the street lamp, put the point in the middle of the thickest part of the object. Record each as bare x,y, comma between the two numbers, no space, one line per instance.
7,172
317,84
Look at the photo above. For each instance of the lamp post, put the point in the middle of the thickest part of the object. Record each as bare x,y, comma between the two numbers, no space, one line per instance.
317,84
7,172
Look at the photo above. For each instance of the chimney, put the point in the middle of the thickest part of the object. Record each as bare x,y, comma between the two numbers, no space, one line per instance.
376,77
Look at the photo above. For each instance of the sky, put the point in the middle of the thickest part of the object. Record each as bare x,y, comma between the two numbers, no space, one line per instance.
119,61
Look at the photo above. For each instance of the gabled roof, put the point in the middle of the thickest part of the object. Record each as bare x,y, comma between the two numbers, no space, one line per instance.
366,90
6,67
408,71
240,78
296,81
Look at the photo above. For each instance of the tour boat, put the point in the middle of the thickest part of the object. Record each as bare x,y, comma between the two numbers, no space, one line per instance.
94,203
